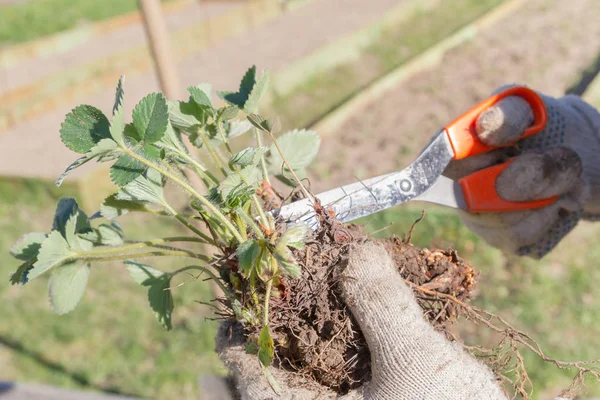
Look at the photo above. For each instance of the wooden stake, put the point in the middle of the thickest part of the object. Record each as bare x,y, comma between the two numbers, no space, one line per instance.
158,37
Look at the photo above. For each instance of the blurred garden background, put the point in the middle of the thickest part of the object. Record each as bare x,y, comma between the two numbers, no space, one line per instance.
376,79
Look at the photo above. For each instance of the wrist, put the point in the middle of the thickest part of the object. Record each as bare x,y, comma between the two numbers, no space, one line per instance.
586,142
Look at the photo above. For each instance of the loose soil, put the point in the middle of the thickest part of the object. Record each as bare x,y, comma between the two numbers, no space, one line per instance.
545,45
314,332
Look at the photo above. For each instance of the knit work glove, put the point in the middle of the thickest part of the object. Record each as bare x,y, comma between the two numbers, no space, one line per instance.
409,359
562,160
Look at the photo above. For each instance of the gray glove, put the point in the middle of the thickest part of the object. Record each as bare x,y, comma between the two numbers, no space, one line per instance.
561,160
410,360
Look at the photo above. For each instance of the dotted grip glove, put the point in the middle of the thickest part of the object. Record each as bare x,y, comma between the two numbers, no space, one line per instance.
409,359
563,160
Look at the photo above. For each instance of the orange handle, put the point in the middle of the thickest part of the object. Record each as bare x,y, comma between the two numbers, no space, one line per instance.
479,190
463,136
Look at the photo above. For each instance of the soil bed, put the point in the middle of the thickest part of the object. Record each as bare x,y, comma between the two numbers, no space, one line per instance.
539,45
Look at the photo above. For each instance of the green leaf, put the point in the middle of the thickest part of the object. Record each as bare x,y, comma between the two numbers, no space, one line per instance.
83,127
120,93
227,113
186,116
150,151
237,128
131,133
103,151
67,285
105,234
54,252
143,274
259,122
258,91
289,179
291,269
247,177
248,253
294,236
112,208
266,347
161,300
248,80
240,98
126,170
200,94
117,126
211,134
248,156
299,147
21,275
27,246
150,117
66,208
74,231
146,188
173,140
74,165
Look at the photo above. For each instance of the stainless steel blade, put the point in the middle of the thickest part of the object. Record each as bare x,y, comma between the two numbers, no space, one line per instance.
360,199
445,192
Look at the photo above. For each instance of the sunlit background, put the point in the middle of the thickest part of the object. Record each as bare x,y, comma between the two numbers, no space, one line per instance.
375,78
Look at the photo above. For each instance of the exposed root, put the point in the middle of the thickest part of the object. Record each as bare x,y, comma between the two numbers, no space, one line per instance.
505,358
435,272
316,335
317,338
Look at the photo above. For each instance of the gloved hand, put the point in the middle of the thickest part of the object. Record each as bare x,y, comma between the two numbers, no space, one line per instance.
410,360
563,159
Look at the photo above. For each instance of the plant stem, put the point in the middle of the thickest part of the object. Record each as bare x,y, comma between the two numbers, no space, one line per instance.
267,297
191,227
190,190
210,274
260,210
241,225
138,245
250,221
189,267
263,163
252,279
212,153
200,169
220,129
163,253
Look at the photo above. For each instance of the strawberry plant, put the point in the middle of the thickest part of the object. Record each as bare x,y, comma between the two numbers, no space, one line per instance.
278,280
148,152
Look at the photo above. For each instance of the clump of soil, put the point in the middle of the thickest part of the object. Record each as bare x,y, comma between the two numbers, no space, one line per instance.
314,332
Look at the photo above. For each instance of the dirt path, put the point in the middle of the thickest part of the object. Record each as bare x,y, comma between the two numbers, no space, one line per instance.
545,45
119,39
129,36
33,148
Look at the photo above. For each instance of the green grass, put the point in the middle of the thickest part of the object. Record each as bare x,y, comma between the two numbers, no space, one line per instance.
30,20
112,341
554,300
324,91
